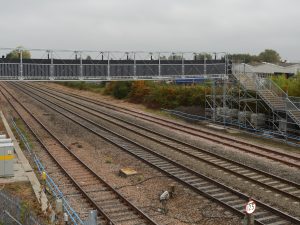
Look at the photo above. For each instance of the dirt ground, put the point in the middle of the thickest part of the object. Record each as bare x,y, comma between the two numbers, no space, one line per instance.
24,192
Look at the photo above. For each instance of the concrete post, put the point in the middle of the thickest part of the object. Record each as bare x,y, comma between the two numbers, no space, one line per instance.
93,217
59,206
66,218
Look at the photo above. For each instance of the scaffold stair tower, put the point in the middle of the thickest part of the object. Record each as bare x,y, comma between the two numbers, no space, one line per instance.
270,93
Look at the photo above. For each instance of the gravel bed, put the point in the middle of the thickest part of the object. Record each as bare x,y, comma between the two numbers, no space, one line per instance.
198,125
107,159
239,184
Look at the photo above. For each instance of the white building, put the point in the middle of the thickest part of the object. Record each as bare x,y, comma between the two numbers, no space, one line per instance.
267,68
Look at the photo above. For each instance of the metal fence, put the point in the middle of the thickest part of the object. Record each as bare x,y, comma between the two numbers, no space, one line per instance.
108,65
13,211
55,191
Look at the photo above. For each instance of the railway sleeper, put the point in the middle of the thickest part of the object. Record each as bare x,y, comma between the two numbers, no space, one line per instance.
250,174
117,209
272,182
269,219
217,195
193,180
264,179
297,191
287,188
279,222
208,187
102,198
244,171
260,214
225,164
227,198
182,174
189,177
240,206
96,190
235,202
210,191
257,176
279,186
124,216
201,184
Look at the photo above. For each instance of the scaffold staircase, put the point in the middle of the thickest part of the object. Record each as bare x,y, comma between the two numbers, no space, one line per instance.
272,95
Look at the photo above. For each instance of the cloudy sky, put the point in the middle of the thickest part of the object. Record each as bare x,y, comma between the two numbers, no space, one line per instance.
235,26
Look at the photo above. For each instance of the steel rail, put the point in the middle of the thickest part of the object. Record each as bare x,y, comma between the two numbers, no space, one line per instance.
198,149
181,127
160,162
100,210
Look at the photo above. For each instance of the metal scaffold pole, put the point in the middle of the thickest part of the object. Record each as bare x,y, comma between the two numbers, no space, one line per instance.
214,99
21,64
51,66
108,66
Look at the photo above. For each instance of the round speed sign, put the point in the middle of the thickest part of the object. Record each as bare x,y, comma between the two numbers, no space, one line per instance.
250,207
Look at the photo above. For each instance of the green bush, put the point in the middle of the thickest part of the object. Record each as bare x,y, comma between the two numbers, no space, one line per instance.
121,89
290,85
152,94
87,86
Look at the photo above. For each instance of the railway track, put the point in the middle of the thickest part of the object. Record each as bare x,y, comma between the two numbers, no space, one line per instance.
266,180
204,185
112,207
279,156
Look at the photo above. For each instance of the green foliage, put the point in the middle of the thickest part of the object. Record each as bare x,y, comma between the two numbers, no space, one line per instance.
87,86
118,89
24,212
202,56
139,89
122,89
269,55
175,57
15,54
291,85
158,95
245,58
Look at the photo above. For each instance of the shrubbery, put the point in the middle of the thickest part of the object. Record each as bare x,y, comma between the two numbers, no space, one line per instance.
157,95
87,86
152,94
290,86
119,90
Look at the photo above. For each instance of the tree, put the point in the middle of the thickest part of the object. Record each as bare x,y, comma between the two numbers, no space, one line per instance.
15,54
174,57
162,57
244,58
269,55
88,57
202,56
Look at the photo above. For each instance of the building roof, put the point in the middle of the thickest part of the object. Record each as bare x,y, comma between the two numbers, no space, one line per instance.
268,68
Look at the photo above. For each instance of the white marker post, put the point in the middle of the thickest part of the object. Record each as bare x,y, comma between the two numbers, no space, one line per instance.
250,208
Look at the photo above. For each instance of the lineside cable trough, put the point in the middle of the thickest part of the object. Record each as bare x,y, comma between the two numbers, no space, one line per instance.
6,157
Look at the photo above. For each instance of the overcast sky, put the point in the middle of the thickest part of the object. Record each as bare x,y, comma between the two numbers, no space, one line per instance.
235,26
